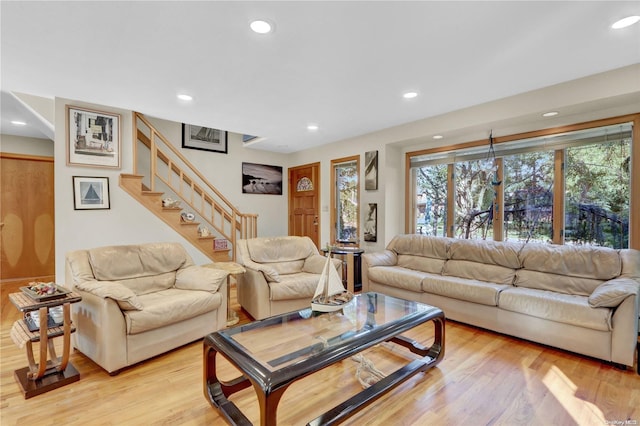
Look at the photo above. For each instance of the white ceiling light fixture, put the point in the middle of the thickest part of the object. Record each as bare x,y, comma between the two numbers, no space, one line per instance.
261,27
410,95
438,137
185,97
312,127
18,123
550,114
625,22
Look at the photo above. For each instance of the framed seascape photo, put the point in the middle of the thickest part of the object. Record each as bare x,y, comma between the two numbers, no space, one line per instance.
90,193
371,170
204,138
93,138
371,223
261,179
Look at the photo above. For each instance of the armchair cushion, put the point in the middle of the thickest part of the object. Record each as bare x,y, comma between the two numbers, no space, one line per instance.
611,293
315,263
199,278
124,296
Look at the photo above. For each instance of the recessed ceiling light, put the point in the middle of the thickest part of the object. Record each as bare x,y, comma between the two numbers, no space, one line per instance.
625,22
312,127
185,97
410,95
18,123
260,27
550,114
438,136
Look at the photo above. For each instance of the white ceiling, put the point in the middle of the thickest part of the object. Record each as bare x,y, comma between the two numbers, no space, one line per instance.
341,65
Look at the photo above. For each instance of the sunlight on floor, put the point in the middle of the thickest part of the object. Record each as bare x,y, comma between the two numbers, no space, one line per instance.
564,390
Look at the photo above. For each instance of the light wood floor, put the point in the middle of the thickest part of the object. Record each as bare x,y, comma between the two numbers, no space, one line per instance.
484,379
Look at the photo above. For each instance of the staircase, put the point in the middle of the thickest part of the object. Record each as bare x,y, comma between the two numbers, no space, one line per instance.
161,171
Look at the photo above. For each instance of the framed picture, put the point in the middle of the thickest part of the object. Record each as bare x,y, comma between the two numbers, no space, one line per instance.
261,179
91,193
371,170
93,138
371,223
204,138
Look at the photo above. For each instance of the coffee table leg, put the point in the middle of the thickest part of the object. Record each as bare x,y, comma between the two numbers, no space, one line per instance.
269,405
217,392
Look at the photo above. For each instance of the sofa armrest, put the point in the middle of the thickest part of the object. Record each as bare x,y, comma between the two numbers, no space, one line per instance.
270,274
200,278
624,337
382,258
611,293
115,290
100,331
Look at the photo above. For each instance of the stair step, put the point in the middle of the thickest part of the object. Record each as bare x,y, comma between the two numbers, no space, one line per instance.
152,193
131,176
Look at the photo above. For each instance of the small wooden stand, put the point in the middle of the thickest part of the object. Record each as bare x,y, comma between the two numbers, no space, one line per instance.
233,269
56,372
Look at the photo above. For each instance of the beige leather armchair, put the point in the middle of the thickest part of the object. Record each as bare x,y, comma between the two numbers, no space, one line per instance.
281,274
139,301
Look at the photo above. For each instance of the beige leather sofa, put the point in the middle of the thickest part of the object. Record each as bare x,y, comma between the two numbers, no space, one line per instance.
139,301
582,299
281,274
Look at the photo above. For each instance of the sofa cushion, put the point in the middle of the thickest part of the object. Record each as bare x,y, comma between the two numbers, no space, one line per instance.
421,263
553,282
564,308
479,271
151,283
294,286
280,249
168,307
420,245
200,278
290,267
611,293
470,290
586,262
124,296
117,262
486,252
396,276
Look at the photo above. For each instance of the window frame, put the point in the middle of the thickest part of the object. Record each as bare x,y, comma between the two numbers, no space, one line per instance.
334,196
559,157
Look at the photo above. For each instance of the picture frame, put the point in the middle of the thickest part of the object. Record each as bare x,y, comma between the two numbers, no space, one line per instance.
371,170
93,138
91,193
261,179
204,138
371,223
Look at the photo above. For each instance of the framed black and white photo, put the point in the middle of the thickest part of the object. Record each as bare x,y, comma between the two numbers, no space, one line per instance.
91,193
261,179
371,170
93,138
371,223
204,138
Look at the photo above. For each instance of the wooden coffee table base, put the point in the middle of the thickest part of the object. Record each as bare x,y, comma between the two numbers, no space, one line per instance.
217,391
31,388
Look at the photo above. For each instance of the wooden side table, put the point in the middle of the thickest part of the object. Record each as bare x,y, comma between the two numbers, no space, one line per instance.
351,266
232,268
52,373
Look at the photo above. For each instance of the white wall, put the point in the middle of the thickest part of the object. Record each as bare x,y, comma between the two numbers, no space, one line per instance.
26,146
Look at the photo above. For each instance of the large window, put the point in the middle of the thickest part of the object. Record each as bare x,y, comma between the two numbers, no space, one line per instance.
346,212
569,188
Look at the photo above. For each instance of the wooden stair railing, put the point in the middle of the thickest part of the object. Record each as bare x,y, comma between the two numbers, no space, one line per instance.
167,167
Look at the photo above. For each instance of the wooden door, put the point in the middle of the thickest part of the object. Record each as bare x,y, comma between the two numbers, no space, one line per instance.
26,217
304,201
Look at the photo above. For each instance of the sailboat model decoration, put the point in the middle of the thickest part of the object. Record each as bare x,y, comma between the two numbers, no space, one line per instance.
330,294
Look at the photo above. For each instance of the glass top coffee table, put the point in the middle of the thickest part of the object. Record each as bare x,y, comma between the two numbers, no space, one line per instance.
277,351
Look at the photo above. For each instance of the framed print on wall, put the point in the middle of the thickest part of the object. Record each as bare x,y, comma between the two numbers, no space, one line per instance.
371,170
261,179
371,223
91,193
93,138
204,138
